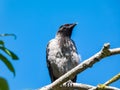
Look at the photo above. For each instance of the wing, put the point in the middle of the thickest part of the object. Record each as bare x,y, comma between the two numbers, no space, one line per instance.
52,77
75,78
74,46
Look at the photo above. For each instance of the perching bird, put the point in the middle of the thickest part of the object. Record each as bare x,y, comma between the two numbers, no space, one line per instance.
61,53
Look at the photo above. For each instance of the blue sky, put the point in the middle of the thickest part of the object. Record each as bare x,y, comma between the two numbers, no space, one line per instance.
35,22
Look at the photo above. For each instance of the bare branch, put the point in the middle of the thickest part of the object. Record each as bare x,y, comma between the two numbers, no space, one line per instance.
80,86
107,83
115,78
104,52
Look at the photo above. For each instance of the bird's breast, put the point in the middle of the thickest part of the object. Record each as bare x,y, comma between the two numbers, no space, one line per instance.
62,56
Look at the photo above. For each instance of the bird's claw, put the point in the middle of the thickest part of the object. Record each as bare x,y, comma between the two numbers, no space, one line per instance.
69,83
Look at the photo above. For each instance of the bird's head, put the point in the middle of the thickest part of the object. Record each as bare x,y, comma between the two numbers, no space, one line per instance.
66,30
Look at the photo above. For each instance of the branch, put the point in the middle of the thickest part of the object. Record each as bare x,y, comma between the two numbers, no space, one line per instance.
6,34
104,52
115,78
103,86
80,86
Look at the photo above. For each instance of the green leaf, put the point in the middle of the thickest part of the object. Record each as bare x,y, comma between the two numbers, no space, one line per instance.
1,43
7,63
3,84
10,53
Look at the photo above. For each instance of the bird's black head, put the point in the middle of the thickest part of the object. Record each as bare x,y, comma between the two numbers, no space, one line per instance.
66,29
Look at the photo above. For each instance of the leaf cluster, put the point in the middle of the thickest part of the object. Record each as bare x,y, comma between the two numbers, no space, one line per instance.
4,59
5,51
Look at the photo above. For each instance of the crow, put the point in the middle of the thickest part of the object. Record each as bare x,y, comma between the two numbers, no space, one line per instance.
61,53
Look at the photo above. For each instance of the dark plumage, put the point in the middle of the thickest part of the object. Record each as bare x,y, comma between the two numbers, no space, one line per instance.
61,53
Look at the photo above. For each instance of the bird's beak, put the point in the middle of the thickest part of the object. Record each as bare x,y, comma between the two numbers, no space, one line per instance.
73,25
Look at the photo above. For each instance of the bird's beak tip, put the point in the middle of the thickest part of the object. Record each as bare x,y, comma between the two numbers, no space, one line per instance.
76,23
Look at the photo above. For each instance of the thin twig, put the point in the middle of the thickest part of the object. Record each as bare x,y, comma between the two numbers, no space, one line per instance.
6,34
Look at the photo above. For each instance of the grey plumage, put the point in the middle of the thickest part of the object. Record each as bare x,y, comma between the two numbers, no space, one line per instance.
61,53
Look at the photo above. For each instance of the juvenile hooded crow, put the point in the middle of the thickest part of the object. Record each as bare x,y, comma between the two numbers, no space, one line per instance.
61,53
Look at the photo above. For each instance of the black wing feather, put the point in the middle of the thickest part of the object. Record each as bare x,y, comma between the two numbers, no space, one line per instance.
52,77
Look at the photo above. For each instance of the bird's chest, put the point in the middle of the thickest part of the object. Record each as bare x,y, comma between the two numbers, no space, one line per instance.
62,56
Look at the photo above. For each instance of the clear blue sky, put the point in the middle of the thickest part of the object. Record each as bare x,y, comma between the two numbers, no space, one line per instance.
35,22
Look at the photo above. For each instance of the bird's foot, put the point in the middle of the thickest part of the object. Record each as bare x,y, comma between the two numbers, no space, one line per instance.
68,83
